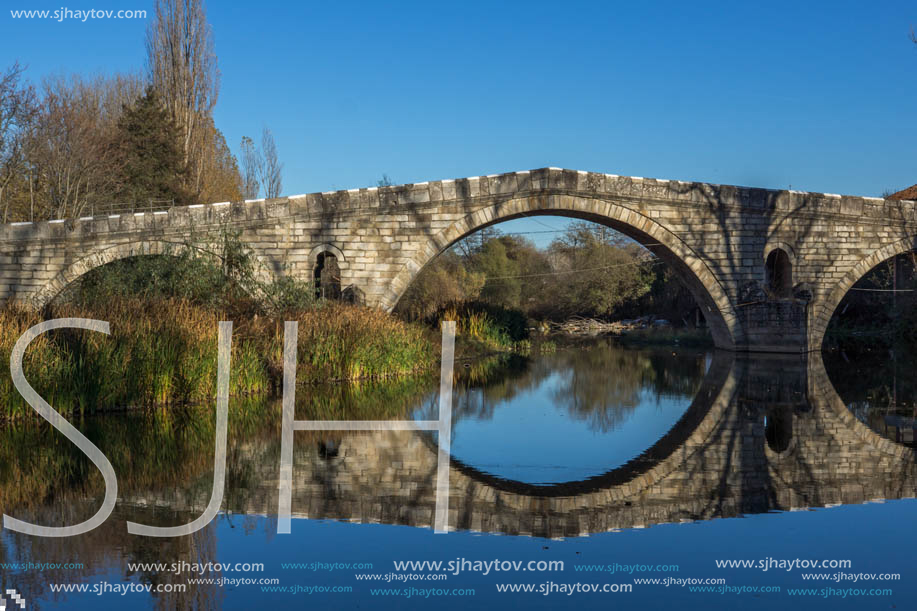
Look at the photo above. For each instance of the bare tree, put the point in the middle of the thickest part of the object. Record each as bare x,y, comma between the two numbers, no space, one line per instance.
183,69
252,169
117,92
271,174
17,113
221,180
73,147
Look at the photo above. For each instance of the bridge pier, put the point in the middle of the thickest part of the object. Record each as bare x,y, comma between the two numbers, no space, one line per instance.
775,326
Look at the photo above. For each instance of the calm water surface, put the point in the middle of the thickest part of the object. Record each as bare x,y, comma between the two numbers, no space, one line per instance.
595,455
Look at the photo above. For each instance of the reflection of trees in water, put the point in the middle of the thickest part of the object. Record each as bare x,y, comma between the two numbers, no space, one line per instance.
603,386
601,383
105,547
873,373
873,377
605,383
46,480
161,454
158,449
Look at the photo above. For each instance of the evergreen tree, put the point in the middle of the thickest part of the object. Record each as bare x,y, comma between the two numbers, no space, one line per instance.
152,156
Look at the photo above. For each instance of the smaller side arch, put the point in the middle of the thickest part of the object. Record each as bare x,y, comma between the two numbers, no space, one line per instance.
832,299
109,254
98,258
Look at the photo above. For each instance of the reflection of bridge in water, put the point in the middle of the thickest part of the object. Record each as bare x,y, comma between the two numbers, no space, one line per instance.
761,435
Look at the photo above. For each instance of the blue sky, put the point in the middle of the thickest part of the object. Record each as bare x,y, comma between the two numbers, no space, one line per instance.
813,96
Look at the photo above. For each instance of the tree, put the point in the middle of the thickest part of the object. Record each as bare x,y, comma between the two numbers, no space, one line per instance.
512,269
445,280
471,244
220,177
74,148
251,169
271,168
182,67
153,164
597,271
18,110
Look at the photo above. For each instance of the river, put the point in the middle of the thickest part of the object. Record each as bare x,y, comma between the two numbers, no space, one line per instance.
616,463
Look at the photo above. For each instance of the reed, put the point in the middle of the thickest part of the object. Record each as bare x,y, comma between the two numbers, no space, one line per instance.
164,351
485,327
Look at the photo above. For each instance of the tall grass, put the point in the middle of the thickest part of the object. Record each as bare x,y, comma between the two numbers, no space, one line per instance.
350,342
487,327
164,351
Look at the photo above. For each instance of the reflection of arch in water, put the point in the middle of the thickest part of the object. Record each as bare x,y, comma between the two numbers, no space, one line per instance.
824,395
778,428
668,453
701,470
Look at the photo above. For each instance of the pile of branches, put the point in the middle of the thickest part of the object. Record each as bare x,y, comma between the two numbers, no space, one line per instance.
579,325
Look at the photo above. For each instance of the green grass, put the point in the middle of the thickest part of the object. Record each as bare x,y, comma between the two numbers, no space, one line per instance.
482,328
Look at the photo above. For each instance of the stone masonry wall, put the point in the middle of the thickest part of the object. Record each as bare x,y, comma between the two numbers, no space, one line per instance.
716,237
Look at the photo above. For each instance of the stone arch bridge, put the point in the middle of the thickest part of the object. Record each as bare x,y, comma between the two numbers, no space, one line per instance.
767,267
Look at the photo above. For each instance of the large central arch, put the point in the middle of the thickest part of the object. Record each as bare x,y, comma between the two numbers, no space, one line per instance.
690,268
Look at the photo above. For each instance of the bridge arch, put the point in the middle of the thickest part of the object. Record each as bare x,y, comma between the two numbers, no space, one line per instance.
104,256
690,268
830,303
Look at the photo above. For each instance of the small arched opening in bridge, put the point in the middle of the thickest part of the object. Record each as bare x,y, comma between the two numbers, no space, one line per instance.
327,261
778,273
327,276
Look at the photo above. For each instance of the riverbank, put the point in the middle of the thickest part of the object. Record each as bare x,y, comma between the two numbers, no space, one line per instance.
164,351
